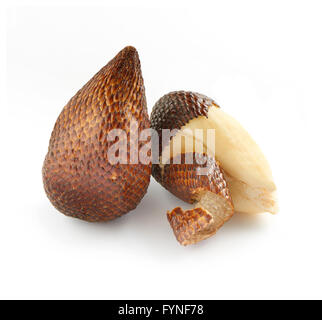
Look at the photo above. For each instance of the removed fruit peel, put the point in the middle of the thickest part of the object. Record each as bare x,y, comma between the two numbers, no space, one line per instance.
245,171
78,177
209,191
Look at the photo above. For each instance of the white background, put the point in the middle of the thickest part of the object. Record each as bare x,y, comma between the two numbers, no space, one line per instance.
261,61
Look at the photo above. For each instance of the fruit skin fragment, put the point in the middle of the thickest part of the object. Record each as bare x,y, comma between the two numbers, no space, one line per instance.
209,192
78,178
192,226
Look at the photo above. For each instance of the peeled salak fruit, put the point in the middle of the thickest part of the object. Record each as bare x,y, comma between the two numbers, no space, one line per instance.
246,175
78,177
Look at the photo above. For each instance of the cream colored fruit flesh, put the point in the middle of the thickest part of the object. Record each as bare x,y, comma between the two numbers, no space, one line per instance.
248,174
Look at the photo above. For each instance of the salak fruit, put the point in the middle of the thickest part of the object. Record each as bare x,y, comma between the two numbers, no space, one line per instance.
78,177
238,173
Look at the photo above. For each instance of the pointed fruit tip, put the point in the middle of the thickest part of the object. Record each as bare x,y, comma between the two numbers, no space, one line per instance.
129,52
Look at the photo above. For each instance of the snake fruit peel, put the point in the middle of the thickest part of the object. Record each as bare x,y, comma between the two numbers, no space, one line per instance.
237,175
78,177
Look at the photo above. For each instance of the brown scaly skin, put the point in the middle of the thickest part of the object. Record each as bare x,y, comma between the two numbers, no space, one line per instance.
177,108
187,224
173,111
78,179
183,181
